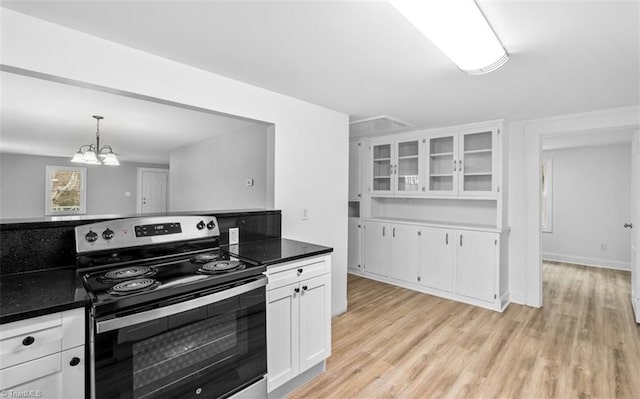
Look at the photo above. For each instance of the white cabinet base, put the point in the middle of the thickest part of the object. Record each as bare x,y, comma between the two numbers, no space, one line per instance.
499,305
298,381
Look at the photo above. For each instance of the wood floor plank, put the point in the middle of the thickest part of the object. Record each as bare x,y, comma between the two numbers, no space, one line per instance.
397,343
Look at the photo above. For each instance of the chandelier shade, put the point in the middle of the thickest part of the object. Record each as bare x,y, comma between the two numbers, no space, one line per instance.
93,154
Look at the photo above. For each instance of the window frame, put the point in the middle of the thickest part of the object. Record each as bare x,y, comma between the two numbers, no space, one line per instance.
49,170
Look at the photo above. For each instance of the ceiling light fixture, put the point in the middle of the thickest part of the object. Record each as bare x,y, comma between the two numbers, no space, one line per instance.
459,29
94,154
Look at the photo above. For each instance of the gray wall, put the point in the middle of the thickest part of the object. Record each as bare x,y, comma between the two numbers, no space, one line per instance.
591,202
211,174
22,186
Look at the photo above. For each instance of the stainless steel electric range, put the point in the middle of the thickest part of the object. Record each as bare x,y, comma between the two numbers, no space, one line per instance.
171,314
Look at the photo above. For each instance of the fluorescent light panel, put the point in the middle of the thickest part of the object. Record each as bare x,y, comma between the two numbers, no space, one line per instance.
458,28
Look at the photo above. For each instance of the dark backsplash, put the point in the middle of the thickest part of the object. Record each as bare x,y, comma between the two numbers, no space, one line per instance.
26,247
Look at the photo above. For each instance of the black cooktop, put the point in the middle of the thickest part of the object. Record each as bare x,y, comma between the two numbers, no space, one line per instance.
130,282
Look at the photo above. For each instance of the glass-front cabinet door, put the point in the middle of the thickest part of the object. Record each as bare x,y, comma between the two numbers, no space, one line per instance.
477,162
382,168
442,164
407,167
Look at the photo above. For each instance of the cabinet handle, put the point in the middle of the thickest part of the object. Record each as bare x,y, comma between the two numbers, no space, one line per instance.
28,340
446,238
629,225
304,287
300,271
383,230
460,239
74,361
454,165
460,165
296,290
394,232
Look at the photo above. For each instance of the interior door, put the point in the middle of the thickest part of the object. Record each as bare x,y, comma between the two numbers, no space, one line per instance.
153,191
635,225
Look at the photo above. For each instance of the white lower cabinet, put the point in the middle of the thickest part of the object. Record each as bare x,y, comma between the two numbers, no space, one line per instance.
298,318
44,356
455,263
476,254
392,250
405,255
436,264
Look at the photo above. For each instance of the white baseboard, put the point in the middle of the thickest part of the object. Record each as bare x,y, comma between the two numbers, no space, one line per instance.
593,262
517,297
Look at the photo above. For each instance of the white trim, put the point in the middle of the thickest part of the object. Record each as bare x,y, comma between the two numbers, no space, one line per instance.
517,297
83,190
591,262
547,223
139,186
635,304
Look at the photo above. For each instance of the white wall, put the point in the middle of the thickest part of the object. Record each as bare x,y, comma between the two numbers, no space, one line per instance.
311,142
22,178
211,174
591,202
525,154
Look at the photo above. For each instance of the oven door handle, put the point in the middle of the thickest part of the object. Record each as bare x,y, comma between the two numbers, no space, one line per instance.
149,315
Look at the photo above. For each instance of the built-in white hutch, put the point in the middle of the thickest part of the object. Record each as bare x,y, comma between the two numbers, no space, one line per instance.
428,211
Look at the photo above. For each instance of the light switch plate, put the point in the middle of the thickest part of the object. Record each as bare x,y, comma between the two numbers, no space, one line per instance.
234,235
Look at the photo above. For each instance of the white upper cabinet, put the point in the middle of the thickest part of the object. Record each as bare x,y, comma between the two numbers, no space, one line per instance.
396,167
355,174
462,162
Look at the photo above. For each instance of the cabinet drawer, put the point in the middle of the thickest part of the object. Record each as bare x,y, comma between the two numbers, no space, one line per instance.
30,339
30,345
16,376
293,272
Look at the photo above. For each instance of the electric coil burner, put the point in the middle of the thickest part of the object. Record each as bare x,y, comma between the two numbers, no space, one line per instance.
128,273
131,286
221,266
159,286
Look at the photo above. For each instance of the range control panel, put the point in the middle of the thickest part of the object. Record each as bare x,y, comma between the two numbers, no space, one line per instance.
133,232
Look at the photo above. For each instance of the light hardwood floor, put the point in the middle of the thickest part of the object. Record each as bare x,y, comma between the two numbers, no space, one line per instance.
394,342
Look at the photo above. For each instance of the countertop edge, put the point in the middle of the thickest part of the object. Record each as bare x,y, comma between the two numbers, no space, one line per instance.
28,314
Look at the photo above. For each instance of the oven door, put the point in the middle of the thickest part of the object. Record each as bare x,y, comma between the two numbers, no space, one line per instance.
207,346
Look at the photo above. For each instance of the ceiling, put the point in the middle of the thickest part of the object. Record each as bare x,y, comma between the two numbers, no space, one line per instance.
41,117
364,59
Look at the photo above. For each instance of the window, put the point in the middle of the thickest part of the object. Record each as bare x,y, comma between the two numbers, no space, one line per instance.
547,196
66,190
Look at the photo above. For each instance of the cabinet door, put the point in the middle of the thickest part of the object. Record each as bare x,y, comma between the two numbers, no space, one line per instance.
408,179
377,247
315,321
382,168
476,265
73,366
405,247
282,335
437,258
442,164
477,162
354,251
354,171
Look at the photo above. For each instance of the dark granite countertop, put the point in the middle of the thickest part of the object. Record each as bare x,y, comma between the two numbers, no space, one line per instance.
25,295
276,250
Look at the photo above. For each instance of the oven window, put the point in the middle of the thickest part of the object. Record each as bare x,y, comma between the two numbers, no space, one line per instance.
210,351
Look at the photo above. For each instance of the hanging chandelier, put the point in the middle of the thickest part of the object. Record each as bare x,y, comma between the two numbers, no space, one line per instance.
93,154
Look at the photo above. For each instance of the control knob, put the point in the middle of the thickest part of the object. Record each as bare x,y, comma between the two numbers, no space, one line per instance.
107,234
200,225
91,236
211,225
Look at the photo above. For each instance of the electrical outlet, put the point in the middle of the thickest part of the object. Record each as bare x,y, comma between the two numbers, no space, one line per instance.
234,235
603,247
